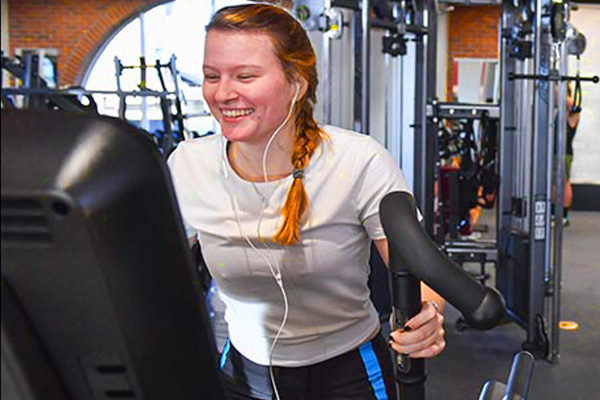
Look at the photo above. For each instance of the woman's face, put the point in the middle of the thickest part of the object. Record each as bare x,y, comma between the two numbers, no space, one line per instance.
244,85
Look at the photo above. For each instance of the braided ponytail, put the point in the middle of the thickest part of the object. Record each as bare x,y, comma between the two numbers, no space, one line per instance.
308,137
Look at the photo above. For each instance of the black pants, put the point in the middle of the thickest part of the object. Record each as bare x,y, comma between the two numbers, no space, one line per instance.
365,373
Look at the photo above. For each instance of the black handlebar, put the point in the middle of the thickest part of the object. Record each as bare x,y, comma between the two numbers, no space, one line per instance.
412,250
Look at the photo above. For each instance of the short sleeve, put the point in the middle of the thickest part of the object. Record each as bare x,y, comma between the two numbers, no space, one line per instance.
377,175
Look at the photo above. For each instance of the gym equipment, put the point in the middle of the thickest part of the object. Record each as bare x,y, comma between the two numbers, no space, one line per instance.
529,256
406,32
110,321
513,161
168,135
473,182
35,94
413,257
466,163
27,70
100,296
517,386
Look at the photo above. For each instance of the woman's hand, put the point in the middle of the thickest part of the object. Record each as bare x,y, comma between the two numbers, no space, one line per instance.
423,334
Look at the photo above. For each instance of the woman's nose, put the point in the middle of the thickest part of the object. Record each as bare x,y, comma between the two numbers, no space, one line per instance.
225,91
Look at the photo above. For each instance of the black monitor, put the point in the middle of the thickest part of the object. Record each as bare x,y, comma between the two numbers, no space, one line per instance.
100,297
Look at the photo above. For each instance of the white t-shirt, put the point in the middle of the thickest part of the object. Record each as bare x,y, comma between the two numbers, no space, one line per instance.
324,276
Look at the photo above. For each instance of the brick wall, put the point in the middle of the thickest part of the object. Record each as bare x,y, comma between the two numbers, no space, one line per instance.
472,33
77,29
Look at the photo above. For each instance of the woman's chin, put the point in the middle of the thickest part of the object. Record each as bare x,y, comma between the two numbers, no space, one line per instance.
238,134
235,136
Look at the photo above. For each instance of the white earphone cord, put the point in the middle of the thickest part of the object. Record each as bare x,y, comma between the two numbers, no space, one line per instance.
275,271
291,110
280,280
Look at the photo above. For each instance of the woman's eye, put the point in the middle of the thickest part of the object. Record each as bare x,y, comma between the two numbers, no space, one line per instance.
211,78
246,77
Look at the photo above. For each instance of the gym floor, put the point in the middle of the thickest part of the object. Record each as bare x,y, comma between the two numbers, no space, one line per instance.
472,357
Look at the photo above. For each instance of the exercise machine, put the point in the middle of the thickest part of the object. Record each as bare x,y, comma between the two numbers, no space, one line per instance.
34,93
111,321
89,311
534,50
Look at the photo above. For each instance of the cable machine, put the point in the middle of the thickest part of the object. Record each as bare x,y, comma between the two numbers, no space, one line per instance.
515,157
350,36
534,54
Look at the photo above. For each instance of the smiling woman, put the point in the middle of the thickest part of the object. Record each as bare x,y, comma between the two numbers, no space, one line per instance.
285,212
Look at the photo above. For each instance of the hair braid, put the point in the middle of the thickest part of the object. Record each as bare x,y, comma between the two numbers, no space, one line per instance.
307,139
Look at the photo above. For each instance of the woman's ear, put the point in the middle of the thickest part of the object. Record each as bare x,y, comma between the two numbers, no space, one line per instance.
302,85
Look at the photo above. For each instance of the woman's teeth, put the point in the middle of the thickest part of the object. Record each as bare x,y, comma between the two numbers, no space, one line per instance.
237,113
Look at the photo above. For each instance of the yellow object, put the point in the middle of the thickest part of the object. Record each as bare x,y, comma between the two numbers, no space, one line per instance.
568,325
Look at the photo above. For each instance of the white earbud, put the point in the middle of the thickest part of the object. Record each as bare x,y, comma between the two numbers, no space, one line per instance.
298,86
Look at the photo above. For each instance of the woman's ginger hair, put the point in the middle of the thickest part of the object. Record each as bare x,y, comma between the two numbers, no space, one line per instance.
298,59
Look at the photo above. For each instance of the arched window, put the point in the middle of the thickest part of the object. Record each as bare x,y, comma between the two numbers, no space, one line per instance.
172,31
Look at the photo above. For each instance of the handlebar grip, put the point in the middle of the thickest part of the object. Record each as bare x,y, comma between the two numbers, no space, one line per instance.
482,307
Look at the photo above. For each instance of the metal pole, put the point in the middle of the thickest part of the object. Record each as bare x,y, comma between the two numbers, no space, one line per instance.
366,52
506,137
539,201
326,68
178,97
144,123
531,329
122,103
79,91
398,105
558,206
425,133
430,129
27,77
174,73
420,141
27,74
2,69
387,99
357,73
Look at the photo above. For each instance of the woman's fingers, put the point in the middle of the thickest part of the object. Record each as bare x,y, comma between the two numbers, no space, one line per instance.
423,335
427,313
431,351
419,340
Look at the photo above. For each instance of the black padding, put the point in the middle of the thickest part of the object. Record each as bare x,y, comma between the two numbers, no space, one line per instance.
482,307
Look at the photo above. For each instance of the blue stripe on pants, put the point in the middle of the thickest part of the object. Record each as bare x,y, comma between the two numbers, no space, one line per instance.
373,370
224,354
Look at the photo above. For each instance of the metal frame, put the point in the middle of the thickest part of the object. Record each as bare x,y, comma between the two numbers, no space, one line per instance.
556,276
35,93
425,134
538,219
461,251
528,157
